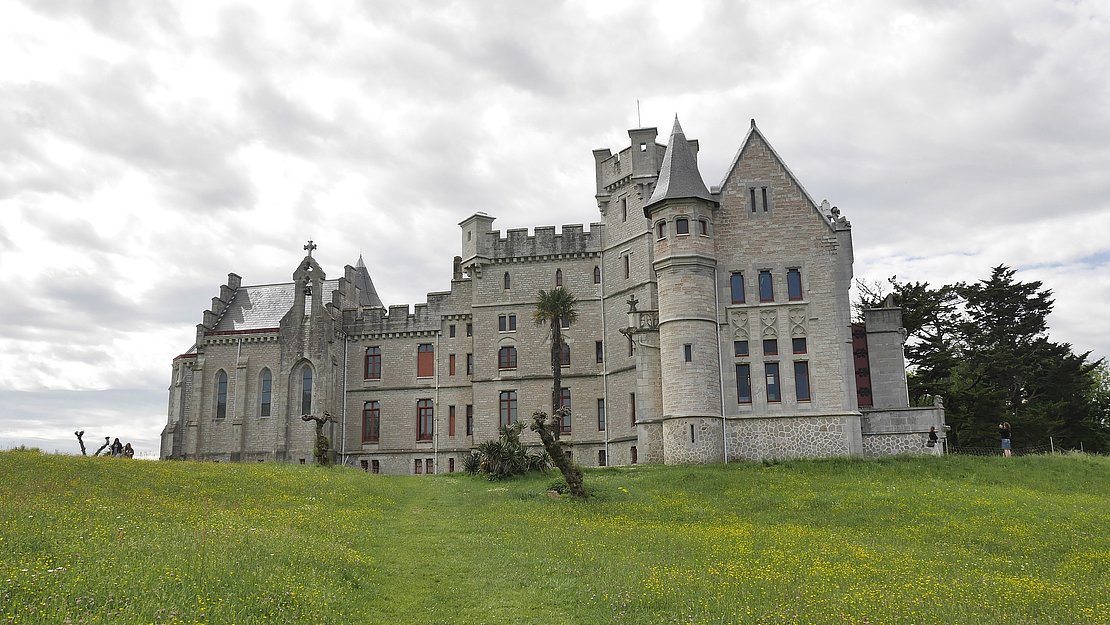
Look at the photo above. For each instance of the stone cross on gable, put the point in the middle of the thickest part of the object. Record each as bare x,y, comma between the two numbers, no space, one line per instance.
311,246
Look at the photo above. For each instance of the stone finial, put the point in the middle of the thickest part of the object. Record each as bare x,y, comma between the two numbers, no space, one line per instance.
309,247
632,302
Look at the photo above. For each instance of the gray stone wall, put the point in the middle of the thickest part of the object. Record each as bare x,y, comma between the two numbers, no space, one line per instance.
790,437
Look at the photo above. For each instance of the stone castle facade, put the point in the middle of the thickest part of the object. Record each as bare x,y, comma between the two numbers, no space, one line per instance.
714,324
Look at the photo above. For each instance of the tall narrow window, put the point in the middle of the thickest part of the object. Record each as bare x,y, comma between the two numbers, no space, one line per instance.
688,352
428,466
425,360
306,390
265,393
375,466
558,277
470,364
744,383
564,356
506,357
469,420
597,274
221,394
450,465
703,227
507,282
765,205
661,230
682,226
801,380
372,363
624,209
371,421
418,467
470,329
794,284
564,401
451,331
627,267
752,191
774,391
632,406
451,364
736,286
599,351
633,454
766,286
424,416
450,420
507,402
601,457
600,415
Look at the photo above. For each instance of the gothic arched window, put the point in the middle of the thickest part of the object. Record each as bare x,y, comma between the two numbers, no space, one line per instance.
306,390
265,393
221,394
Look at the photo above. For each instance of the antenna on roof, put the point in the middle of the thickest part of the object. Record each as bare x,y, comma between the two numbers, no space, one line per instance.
638,122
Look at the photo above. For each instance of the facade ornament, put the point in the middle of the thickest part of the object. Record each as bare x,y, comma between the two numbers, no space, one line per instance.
309,247
632,302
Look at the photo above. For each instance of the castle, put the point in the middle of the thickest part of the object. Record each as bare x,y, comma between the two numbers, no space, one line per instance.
714,324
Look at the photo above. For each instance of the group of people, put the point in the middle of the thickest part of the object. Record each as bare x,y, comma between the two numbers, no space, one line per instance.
119,450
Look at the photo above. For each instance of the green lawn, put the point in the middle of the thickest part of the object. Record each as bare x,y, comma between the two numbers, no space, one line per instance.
926,540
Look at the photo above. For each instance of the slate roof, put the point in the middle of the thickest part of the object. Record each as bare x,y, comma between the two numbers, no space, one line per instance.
679,177
258,307
368,294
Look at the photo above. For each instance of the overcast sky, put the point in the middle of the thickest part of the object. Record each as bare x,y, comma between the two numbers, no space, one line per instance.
149,148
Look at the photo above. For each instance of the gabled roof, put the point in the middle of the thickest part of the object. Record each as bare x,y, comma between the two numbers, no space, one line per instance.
752,132
368,294
679,177
261,307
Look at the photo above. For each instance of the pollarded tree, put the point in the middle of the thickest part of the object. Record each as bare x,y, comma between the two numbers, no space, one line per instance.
556,307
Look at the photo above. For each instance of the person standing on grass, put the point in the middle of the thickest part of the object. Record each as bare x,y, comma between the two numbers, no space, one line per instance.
1004,431
116,448
933,438
128,451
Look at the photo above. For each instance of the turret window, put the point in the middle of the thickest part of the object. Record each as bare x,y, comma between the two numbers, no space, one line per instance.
682,226
372,363
597,274
661,230
703,227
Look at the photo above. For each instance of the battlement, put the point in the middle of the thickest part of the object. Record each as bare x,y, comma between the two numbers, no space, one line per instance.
641,160
425,317
543,242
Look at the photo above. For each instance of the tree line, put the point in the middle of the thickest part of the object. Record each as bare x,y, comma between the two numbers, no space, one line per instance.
984,348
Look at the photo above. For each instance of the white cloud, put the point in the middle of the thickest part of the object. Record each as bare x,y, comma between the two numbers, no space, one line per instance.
147,149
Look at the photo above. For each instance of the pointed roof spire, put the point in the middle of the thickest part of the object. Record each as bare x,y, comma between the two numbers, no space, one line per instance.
368,295
679,176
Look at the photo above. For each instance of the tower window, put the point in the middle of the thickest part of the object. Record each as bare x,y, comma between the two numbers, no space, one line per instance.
508,408
736,287
774,392
597,274
425,360
794,284
661,230
770,347
744,383
506,281
371,421
599,351
766,286
682,226
558,277
372,363
221,394
688,352
801,380
799,344
506,358
306,390
740,348
600,415
627,267
624,209
264,393
703,227
424,414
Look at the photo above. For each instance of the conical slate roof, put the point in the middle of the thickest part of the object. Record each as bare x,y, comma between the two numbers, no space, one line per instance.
678,177
368,295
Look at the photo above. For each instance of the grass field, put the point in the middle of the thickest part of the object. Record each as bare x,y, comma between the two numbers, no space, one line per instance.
926,540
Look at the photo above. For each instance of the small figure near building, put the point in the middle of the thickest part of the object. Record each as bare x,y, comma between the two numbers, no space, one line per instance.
1004,432
128,451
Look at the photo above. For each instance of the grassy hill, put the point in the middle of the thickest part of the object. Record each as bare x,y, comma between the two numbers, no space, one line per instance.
937,540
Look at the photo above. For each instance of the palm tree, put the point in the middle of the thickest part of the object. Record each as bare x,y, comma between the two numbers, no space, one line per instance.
555,307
